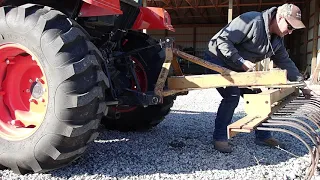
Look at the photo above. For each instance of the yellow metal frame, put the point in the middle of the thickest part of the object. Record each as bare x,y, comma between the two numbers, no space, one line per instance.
257,106
181,83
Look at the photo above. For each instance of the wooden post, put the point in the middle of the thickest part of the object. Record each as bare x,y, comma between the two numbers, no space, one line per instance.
144,4
315,42
230,11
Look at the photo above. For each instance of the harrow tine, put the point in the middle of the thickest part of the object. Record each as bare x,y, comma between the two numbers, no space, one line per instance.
309,110
314,155
297,114
293,125
299,121
311,117
303,105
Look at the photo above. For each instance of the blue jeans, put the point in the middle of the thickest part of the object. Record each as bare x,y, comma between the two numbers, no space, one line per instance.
229,102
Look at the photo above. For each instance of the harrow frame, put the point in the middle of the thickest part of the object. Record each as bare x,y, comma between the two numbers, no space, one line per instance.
278,104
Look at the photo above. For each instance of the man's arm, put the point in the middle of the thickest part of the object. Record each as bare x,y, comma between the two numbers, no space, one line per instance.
283,61
234,33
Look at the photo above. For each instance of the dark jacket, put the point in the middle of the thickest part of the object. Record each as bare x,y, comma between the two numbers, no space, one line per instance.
247,37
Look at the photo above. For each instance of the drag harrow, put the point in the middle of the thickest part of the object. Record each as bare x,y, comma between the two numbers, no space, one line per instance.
283,110
281,106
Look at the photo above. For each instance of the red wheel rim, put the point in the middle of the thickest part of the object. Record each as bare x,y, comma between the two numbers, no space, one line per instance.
23,92
142,80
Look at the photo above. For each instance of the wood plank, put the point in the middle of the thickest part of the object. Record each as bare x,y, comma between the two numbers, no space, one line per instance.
260,78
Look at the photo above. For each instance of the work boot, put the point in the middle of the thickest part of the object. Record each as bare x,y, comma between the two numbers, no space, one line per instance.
270,142
222,146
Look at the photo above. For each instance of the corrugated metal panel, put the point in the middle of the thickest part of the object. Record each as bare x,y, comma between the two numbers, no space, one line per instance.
309,58
310,34
183,37
203,36
311,21
181,31
156,34
309,48
312,8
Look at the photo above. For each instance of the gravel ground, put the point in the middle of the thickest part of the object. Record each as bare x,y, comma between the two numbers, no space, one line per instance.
181,147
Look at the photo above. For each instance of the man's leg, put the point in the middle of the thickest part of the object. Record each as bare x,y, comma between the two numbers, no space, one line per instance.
225,112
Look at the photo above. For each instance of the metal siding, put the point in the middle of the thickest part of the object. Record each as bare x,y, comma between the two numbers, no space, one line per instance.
183,37
310,34
203,36
156,34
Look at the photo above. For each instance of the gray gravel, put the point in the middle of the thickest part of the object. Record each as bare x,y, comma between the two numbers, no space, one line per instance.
181,148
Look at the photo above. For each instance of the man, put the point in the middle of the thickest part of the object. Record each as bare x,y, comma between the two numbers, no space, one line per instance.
250,38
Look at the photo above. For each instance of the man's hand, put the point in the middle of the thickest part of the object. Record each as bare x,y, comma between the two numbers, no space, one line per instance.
248,66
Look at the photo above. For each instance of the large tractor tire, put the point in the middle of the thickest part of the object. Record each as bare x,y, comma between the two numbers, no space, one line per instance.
52,89
148,65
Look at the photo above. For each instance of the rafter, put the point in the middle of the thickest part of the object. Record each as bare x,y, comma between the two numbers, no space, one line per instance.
240,5
196,9
168,3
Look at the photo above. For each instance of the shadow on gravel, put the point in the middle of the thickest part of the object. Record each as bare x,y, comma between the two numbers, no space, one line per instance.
180,144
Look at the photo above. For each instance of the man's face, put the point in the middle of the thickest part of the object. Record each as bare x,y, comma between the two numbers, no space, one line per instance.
284,27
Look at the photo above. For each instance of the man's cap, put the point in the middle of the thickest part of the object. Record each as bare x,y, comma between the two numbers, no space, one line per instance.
292,14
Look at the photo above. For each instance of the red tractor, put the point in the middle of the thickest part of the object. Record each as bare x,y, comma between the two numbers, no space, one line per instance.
66,66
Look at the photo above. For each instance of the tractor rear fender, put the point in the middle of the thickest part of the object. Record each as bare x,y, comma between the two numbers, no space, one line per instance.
100,8
153,18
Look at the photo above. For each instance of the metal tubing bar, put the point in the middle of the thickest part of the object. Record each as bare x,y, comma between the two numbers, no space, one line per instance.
201,62
164,73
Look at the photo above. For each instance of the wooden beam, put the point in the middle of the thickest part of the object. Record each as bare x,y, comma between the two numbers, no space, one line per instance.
315,37
260,78
230,9
315,68
240,5
144,4
307,19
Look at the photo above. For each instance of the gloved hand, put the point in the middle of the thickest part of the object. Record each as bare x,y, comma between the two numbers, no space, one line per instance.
248,66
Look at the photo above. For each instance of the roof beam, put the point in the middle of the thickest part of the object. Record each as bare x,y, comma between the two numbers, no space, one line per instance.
240,5
196,9
167,3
